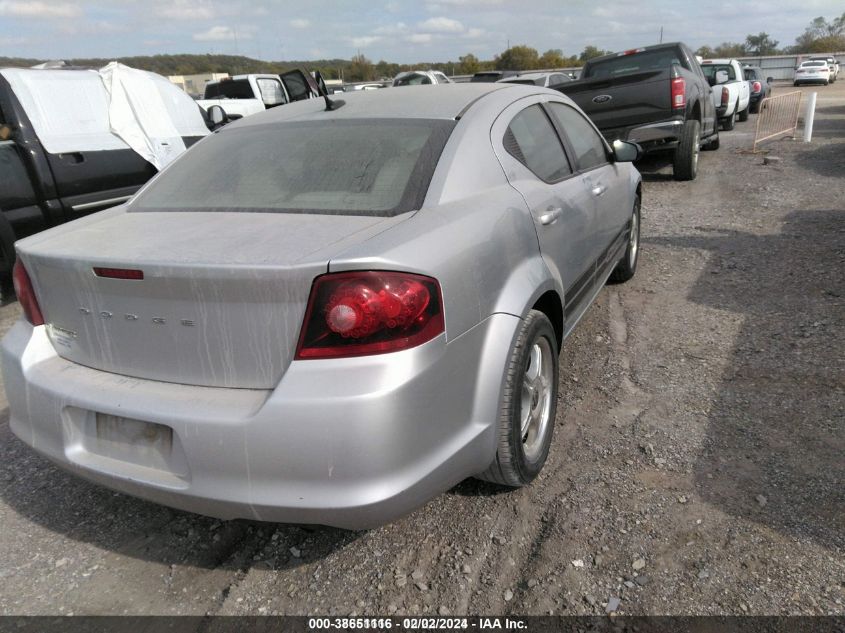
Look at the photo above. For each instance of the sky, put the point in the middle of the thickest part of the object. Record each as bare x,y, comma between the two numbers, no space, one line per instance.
393,30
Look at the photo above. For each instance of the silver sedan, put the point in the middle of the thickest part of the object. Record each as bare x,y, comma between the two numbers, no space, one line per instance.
327,312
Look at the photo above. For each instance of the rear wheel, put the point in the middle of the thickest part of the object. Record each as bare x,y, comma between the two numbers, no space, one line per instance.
685,163
729,122
627,266
527,414
7,258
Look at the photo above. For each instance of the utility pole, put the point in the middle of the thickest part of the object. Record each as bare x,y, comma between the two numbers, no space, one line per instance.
661,34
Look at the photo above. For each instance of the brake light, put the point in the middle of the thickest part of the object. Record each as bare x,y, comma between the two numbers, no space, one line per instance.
679,88
756,86
26,295
726,95
119,273
369,312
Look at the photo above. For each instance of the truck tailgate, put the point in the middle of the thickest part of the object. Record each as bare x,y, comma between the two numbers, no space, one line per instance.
635,99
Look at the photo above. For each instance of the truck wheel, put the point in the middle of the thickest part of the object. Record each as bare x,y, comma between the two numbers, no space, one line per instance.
685,164
627,266
743,116
527,414
7,258
712,143
729,122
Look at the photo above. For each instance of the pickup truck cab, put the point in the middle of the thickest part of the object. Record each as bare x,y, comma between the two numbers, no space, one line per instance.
656,96
731,93
243,95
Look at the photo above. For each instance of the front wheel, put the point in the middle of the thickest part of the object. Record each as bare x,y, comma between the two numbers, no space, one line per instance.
627,266
685,163
529,404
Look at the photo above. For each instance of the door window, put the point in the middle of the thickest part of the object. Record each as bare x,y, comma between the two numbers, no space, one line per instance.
532,140
297,85
588,144
271,92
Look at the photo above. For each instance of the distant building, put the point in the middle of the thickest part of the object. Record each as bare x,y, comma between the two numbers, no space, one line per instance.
194,85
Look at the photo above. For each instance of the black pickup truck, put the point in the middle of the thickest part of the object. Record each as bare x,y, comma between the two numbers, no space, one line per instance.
656,96
40,188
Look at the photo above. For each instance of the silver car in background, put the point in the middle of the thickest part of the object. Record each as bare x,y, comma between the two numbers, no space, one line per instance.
328,312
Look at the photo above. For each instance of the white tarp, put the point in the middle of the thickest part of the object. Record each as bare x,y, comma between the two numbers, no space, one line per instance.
115,108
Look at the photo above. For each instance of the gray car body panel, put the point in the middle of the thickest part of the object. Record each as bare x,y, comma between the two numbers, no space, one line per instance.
351,442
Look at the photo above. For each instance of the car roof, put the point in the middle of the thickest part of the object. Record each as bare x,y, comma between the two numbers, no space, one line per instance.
439,101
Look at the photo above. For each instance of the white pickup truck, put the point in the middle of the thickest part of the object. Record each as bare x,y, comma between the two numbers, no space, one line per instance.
731,94
243,95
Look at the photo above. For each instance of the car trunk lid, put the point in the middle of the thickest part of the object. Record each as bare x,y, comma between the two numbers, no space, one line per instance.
222,297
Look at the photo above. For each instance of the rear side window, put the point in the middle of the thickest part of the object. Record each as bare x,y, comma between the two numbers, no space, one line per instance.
235,89
376,167
271,91
588,144
532,140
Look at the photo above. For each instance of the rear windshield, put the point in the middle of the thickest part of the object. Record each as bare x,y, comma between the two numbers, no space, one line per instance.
485,77
235,89
413,79
710,70
634,63
752,73
344,166
819,63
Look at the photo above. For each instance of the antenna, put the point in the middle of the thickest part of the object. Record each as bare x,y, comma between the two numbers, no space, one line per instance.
324,92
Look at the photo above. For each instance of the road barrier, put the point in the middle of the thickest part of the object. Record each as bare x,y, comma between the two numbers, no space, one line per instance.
778,116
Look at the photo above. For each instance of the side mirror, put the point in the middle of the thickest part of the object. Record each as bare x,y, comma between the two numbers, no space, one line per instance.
5,132
626,152
769,80
217,115
721,76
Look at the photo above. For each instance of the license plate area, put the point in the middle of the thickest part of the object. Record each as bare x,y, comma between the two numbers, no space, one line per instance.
136,441
127,447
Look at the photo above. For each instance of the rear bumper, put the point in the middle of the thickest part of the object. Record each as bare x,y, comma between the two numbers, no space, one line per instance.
652,136
352,443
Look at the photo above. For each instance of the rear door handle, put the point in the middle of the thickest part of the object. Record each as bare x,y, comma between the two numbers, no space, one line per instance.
550,216
599,190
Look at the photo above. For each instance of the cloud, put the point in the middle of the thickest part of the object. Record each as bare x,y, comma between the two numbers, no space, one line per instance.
38,9
300,23
420,38
442,25
474,33
400,28
186,10
223,33
364,41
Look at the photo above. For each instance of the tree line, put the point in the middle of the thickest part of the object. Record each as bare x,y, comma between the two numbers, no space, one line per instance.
820,36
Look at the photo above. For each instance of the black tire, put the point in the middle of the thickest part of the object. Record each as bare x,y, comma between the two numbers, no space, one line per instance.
685,162
795,83
743,116
512,466
754,108
728,123
712,143
627,266
7,258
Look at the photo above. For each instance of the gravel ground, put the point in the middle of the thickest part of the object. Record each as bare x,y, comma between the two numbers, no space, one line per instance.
697,464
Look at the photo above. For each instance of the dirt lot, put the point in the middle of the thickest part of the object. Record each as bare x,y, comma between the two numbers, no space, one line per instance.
697,465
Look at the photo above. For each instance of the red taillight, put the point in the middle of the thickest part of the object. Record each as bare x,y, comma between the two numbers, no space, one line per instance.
26,295
119,273
756,86
369,312
726,95
679,97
